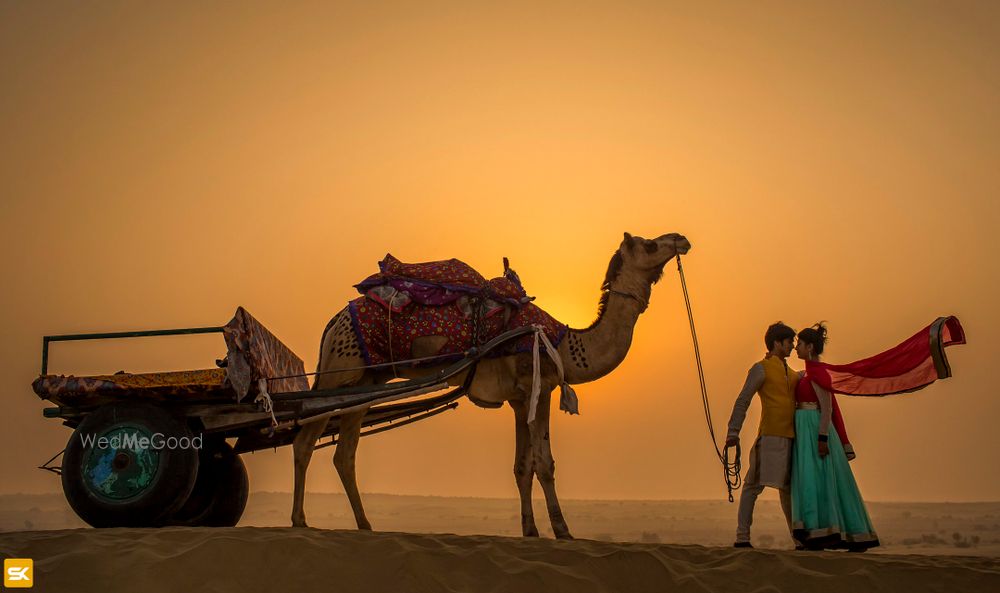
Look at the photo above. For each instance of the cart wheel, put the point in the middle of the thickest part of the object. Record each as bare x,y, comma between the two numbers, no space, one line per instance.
220,492
129,465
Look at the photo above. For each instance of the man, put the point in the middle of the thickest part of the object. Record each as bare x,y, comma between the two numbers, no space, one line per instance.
771,455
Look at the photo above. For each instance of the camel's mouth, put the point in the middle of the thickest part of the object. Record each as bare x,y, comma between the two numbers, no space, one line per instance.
680,243
675,241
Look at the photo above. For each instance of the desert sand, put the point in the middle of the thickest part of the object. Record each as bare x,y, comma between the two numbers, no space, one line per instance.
429,544
286,559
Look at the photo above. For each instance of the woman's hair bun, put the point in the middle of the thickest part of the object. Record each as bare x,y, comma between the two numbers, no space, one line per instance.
815,335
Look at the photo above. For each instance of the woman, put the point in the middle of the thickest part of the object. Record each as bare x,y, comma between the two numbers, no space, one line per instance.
827,509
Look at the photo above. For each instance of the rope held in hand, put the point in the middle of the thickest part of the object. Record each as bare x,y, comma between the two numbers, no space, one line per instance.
731,470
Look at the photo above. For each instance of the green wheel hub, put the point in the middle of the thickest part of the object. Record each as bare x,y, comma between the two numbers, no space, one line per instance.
124,468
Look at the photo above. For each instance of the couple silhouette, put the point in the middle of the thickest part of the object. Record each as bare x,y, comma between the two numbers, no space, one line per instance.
802,448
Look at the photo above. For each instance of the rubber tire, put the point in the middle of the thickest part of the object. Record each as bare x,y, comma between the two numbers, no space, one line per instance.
172,484
220,492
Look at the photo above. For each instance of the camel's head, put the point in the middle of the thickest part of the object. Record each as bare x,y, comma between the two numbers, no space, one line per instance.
652,254
646,256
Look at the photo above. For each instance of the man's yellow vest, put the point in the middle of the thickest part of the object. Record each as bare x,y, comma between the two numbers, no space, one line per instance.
777,398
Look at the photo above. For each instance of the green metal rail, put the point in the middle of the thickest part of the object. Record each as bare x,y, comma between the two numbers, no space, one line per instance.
135,334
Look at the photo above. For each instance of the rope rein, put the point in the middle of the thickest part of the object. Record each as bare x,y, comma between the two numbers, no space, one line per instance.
388,332
731,470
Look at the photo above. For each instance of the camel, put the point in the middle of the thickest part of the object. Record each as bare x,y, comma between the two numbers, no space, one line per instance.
586,354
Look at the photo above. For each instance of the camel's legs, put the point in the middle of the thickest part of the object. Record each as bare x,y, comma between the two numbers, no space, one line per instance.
545,466
524,467
343,459
302,447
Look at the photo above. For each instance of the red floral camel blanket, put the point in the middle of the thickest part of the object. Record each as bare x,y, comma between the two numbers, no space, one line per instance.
448,298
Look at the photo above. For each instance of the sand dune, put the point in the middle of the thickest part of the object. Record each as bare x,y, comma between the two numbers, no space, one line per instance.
428,543
285,559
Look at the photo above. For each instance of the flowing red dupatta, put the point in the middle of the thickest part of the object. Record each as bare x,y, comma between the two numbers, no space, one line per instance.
910,366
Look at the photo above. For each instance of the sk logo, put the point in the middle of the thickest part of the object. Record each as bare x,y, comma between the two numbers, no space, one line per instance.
18,573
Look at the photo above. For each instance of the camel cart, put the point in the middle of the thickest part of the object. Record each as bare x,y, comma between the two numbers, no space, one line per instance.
155,449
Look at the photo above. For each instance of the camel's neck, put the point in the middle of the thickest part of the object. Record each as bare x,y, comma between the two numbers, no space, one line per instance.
591,353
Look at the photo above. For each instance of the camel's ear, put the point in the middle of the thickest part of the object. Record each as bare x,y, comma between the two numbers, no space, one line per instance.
627,242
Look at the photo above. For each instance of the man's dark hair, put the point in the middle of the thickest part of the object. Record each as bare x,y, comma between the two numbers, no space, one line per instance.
778,332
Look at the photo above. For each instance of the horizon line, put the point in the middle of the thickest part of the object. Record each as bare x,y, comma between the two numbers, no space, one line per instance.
541,498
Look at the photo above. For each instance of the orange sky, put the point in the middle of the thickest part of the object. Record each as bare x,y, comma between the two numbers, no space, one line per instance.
161,165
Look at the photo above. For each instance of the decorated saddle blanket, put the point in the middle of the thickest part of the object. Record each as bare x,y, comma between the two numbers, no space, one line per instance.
445,298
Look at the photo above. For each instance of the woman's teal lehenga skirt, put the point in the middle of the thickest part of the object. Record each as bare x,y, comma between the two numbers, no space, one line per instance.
827,509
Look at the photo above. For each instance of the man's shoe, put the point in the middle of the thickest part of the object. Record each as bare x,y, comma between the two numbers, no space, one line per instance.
742,545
